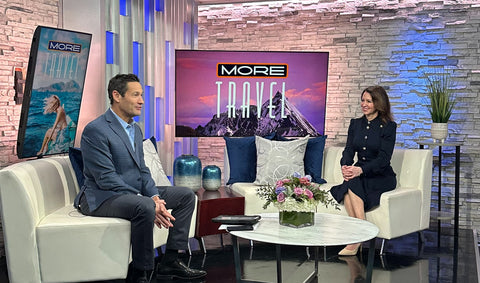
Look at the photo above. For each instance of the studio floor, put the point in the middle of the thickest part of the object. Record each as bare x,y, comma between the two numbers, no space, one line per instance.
404,261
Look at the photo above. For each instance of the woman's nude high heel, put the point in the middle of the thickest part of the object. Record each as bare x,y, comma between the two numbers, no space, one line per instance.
347,252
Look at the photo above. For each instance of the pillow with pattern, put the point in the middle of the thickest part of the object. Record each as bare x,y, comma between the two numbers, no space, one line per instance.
277,160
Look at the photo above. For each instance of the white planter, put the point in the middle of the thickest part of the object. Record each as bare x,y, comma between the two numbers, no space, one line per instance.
439,131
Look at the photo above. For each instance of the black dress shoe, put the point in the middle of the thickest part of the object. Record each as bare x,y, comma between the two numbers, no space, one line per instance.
177,269
138,276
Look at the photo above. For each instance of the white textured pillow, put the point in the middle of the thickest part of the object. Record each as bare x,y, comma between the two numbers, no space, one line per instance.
279,159
152,161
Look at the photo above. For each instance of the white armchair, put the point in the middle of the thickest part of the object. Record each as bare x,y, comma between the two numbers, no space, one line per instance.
403,210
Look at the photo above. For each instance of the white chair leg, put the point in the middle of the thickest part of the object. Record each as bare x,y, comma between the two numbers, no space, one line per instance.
383,245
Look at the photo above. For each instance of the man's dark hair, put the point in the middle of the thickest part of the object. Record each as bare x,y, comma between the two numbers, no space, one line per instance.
119,83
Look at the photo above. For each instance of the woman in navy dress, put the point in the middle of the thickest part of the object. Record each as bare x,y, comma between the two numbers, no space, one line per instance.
372,138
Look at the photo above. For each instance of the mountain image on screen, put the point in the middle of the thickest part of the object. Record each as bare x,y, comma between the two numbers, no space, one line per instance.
294,125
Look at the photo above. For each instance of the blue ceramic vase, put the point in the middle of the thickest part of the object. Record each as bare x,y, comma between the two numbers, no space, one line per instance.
211,178
187,172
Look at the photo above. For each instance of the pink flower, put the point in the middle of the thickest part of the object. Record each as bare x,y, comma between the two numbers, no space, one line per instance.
281,197
309,193
279,183
298,191
304,181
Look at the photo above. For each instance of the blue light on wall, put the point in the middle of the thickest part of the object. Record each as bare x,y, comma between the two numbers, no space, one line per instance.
149,14
149,95
159,5
110,53
124,6
138,60
160,118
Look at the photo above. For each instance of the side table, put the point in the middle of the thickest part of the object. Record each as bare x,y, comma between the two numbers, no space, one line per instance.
442,215
212,204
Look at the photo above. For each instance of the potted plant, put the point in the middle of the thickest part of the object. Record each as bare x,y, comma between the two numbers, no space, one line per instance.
441,102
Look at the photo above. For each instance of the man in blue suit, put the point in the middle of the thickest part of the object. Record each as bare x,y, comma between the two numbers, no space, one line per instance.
118,184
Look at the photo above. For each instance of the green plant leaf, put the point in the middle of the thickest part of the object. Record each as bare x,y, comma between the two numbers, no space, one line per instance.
440,95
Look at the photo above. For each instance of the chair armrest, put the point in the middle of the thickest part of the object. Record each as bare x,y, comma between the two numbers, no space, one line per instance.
399,213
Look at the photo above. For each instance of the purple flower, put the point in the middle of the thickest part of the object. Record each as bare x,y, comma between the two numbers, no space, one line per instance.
281,197
297,175
309,178
279,190
298,191
309,193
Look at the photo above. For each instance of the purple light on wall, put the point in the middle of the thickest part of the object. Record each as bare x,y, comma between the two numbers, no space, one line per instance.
195,31
194,146
160,119
169,49
177,149
187,33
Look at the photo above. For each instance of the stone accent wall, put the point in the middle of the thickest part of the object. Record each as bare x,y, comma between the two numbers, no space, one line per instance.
389,43
18,20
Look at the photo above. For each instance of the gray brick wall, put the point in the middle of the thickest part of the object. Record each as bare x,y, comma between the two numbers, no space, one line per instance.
390,43
18,20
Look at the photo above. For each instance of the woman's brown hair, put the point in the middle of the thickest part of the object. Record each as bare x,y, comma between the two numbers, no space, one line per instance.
381,102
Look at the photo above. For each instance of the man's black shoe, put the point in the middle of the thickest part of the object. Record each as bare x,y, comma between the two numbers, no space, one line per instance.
177,269
138,276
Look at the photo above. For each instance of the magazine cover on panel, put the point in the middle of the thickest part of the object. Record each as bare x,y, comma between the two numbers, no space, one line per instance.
56,92
245,93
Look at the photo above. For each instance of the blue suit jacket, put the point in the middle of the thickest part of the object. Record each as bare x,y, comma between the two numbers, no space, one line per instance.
111,166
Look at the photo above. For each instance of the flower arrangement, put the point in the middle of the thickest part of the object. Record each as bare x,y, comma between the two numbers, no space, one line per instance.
295,193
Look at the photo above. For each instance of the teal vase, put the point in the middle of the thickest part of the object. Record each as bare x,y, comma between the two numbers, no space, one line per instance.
211,178
187,172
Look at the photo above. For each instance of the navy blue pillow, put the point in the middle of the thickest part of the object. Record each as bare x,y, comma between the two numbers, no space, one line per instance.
242,158
313,159
75,155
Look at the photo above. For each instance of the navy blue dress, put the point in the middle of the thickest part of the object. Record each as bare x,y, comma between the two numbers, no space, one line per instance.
373,141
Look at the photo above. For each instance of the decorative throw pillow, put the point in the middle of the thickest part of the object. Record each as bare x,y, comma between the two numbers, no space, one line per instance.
277,160
152,161
242,158
76,159
313,160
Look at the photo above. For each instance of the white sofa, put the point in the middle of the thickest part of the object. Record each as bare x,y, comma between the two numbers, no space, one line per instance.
47,239
403,210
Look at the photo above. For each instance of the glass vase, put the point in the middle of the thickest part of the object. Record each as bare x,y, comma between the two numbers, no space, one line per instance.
296,219
187,172
211,178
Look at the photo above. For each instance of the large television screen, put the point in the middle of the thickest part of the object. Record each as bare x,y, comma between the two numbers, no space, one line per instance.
53,91
245,93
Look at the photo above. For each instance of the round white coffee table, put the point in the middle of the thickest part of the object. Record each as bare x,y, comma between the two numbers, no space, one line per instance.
329,230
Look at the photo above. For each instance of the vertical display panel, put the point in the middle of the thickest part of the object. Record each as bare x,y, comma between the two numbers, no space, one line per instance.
53,91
